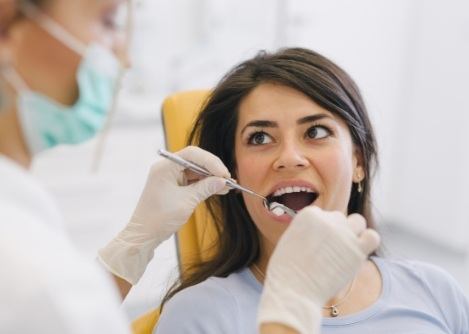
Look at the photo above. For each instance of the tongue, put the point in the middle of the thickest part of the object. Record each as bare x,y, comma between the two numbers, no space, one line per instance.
296,201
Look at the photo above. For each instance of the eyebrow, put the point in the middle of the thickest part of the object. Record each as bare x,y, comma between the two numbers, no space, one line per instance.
272,124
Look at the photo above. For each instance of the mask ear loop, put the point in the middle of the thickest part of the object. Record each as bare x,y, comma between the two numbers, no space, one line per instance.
102,137
56,30
14,79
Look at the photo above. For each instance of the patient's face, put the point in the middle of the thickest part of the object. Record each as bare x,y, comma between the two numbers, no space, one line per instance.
289,148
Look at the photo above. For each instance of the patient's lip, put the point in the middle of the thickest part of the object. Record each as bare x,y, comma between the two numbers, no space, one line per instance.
285,218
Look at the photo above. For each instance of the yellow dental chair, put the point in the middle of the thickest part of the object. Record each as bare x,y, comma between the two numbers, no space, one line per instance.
193,241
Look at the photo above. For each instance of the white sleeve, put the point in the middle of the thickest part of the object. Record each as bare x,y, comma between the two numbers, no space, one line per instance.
46,286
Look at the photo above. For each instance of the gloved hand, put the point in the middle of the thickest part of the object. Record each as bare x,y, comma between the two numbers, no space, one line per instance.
319,253
165,205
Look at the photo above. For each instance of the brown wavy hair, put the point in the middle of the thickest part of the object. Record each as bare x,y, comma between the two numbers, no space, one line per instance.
214,130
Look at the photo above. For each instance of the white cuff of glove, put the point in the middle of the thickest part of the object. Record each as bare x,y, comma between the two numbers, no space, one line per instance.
165,205
125,259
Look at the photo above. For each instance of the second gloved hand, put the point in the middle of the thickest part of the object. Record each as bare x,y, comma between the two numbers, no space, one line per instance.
319,253
165,205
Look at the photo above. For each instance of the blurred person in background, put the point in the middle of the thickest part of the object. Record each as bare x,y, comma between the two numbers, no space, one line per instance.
60,63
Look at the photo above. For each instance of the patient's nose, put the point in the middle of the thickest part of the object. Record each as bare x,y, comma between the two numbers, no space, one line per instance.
290,156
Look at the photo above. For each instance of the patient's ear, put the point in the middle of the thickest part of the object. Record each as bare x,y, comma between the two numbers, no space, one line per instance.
6,42
358,166
8,14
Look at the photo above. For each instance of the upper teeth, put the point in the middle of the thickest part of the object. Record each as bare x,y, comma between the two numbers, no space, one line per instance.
288,190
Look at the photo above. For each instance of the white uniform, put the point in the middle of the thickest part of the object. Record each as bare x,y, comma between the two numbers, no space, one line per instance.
46,286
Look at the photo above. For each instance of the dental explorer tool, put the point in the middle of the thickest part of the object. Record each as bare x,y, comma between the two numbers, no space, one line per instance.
274,207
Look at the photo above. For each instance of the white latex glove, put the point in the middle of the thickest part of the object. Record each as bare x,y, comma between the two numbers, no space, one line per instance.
319,253
165,205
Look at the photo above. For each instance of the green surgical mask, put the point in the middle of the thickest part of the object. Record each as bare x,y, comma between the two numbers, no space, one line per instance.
47,123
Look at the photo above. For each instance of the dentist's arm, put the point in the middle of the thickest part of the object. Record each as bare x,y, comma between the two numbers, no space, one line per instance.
166,204
318,254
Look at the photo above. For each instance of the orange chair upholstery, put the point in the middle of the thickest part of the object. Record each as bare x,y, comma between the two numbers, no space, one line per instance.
195,239
146,323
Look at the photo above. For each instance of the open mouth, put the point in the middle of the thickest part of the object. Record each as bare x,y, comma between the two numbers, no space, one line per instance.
295,198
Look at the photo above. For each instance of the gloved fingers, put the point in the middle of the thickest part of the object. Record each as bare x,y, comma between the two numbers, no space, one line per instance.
207,187
369,241
205,159
192,177
309,219
356,223
336,218
313,217
315,213
165,170
224,191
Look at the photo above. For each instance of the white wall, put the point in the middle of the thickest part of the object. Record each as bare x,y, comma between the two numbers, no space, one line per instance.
408,57
430,151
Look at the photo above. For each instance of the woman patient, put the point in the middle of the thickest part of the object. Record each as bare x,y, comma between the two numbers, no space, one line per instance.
293,126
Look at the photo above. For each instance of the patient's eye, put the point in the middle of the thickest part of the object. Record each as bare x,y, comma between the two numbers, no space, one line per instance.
318,132
259,138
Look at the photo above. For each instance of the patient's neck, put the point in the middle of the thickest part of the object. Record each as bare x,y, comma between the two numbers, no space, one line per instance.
266,250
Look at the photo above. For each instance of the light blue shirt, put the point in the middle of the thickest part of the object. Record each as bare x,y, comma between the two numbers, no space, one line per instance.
415,298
